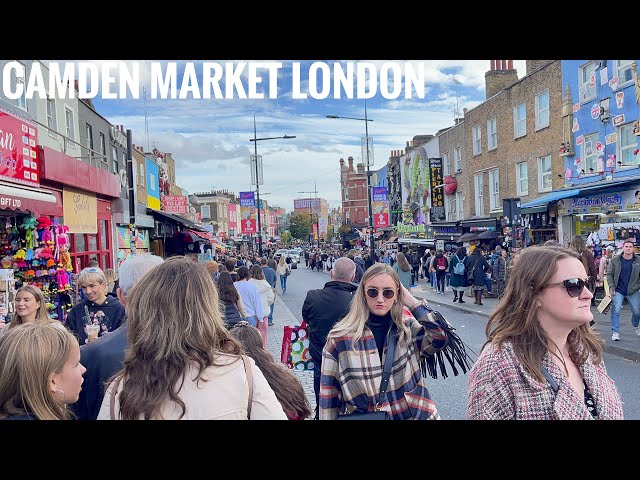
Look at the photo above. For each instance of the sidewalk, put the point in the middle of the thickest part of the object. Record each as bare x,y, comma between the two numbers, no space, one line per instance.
628,347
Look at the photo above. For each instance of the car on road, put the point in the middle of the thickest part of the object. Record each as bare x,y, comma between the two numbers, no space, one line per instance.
295,257
280,252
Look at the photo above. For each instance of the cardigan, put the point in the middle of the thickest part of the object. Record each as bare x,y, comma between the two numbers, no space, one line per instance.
500,389
351,372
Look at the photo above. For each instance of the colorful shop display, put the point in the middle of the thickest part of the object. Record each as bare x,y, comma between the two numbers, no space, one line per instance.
37,251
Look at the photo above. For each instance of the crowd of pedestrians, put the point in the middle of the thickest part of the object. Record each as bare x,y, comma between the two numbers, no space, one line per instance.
178,339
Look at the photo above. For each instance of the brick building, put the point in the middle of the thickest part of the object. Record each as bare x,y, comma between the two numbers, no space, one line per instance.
353,184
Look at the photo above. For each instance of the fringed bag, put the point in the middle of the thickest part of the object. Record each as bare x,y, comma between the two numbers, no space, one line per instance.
454,351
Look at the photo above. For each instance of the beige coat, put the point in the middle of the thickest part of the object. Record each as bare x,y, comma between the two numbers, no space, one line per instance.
225,396
267,297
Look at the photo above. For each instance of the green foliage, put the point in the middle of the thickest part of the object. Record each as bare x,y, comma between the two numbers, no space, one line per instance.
300,225
285,237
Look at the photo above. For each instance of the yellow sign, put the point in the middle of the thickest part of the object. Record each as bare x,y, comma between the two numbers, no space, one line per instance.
80,211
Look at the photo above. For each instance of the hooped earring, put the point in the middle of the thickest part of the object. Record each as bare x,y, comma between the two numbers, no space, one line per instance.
64,397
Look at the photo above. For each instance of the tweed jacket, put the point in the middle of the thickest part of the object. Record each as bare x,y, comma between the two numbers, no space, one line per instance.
351,376
501,389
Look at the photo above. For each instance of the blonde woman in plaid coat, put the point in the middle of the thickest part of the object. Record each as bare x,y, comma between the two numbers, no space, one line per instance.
352,356
541,326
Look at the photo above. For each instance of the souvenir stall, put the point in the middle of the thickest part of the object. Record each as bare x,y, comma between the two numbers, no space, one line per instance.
36,252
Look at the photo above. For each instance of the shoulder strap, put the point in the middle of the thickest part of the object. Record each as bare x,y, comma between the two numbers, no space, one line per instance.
247,370
392,338
112,405
554,385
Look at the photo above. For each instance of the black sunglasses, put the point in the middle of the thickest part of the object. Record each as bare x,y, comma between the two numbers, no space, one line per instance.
574,286
387,293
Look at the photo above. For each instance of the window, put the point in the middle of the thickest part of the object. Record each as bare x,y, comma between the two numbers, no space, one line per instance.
542,110
522,178
141,176
51,117
103,147
622,69
205,211
445,164
21,101
626,145
346,193
544,173
219,210
89,133
479,186
69,133
494,190
589,153
456,160
520,121
346,216
459,212
451,208
477,140
492,134
587,82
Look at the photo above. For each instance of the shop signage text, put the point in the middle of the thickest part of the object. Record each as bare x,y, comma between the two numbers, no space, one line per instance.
10,202
596,204
402,228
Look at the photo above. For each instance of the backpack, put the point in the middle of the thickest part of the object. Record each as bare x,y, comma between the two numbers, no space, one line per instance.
459,267
441,264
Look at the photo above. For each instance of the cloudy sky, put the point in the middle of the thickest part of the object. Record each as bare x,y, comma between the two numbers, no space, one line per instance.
210,138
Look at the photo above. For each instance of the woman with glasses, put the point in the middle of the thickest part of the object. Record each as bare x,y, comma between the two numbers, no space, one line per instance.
541,359
354,353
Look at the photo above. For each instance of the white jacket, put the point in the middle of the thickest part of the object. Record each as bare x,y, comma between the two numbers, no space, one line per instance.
267,296
225,396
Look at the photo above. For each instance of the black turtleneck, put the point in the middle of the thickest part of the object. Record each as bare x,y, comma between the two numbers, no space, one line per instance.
380,326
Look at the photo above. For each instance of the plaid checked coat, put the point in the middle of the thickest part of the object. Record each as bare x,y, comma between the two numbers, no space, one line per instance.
501,389
351,375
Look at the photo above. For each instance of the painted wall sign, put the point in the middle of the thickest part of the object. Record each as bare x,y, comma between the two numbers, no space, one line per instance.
576,107
618,120
579,139
604,75
611,138
613,83
620,99
575,127
18,150
595,111
80,210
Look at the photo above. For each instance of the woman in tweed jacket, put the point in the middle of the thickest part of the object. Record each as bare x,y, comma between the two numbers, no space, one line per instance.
540,326
352,356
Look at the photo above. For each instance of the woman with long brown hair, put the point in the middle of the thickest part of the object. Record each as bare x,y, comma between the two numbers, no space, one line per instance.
284,383
230,300
541,360
181,362
31,307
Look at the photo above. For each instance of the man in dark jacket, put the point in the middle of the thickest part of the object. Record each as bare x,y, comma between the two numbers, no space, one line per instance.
323,308
270,276
103,357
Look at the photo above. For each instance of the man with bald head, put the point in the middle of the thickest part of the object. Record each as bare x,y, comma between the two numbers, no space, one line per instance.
324,307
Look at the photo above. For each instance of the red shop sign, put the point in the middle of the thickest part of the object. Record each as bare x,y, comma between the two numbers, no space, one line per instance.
19,161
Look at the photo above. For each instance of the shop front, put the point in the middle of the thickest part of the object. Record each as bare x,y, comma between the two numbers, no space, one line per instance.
603,219
175,235
446,235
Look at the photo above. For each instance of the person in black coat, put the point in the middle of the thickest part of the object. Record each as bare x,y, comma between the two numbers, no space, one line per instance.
477,264
324,307
104,356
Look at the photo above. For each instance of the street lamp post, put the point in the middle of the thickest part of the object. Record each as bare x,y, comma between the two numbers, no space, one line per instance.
366,121
315,192
255,145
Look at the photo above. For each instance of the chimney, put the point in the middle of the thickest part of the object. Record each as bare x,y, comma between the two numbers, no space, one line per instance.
360,167
341,164
532,65
350,159
501,76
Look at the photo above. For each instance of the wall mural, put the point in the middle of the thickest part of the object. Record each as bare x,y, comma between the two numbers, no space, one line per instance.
415,180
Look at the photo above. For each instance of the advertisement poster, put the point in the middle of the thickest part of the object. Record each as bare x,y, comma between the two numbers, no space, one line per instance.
153,185
248,213
437,190
174,204
380,206
18,152
80,211
415,180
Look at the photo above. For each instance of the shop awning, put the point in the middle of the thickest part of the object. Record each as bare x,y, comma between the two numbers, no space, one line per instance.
417,241
34,200
175,218
540,204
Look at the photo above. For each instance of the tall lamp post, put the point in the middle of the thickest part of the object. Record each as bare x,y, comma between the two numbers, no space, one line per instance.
258,176
367,144
315,192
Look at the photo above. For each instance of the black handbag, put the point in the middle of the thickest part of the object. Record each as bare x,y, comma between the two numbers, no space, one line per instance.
378,414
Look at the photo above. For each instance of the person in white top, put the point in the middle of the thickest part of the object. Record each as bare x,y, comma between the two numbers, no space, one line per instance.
182,363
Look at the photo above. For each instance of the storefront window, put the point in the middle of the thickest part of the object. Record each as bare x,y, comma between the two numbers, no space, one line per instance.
80,243
93,242
103,234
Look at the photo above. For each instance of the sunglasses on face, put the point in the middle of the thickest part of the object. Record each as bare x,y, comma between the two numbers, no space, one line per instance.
387,293
573,286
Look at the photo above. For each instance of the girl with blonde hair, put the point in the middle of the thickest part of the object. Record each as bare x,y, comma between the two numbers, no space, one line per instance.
31,307
40,372
181,362
383,309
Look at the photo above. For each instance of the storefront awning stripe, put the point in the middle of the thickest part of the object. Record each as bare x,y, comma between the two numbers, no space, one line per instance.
571,192
30,193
